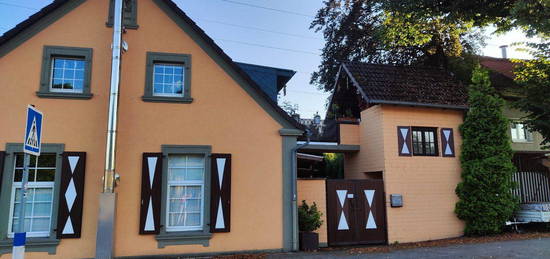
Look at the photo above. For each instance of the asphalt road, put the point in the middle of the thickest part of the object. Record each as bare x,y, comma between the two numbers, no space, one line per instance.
533,248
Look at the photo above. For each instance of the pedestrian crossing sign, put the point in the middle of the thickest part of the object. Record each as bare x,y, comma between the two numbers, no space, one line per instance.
33,131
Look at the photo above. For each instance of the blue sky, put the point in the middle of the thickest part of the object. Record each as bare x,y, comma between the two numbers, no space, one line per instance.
264,32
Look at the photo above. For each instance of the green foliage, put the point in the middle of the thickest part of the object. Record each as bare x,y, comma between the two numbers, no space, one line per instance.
528,15
533,76
486,201
309,217
334,165
366,31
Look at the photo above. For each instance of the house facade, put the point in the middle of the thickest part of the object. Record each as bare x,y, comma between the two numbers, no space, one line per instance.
403,123
530,157
204,155
501,71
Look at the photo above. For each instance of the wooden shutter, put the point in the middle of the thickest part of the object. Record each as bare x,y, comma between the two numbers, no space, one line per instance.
2,155
447,142
220,199
151,193
71,195
404,140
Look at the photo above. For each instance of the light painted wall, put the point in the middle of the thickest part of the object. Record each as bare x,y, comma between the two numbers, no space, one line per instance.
79,124
515,114
222,115
426,183
314,190
349,134
370,157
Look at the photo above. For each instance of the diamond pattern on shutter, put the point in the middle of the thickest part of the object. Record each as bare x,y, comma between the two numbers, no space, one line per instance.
404,141
71,195
447,142
220,198
151,186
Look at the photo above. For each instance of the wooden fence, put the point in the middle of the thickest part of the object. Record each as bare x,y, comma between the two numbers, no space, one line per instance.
532,186
532,178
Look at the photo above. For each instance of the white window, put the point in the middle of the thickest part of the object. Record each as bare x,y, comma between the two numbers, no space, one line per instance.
520,133
185,199
38,208
168,80
67,75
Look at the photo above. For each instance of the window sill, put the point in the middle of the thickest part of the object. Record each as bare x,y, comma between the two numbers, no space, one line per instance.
126,26
64,95
183,238
32,245
160,99
522,142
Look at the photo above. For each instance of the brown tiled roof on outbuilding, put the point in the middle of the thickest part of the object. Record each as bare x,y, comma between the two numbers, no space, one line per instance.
407,85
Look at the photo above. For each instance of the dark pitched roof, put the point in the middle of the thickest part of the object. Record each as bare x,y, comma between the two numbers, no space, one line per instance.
501,73
501,65
270,79
407,85
26,24
8,35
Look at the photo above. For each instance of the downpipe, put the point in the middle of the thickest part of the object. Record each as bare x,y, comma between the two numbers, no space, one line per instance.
107,199
294,165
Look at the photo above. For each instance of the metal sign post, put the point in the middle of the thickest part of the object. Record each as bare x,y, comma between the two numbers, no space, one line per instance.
31,146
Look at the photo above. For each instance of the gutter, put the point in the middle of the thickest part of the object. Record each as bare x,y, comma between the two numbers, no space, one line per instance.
444,106
294,202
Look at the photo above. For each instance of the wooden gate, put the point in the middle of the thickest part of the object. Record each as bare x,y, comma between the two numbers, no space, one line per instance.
356,212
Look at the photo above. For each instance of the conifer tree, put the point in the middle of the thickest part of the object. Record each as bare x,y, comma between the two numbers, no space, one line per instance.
486,201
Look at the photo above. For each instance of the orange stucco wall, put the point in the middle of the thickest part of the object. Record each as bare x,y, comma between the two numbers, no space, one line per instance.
314,190
370,158
222,115
349,134
426,183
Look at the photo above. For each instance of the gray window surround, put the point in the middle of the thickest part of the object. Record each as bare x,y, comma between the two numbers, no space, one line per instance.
185,237
528,139
129,19
154,57
33,244
51,52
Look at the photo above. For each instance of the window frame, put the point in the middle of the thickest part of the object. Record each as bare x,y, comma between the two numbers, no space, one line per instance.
185,183
33,244
167,58
526,132
129,18
31,184
52,52
423,143
166,238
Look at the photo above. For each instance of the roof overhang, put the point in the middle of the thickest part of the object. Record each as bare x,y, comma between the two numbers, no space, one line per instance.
416,104
328,147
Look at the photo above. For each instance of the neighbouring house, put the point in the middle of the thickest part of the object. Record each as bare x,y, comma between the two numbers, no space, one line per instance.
398,131
203,151
530,158
271,79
